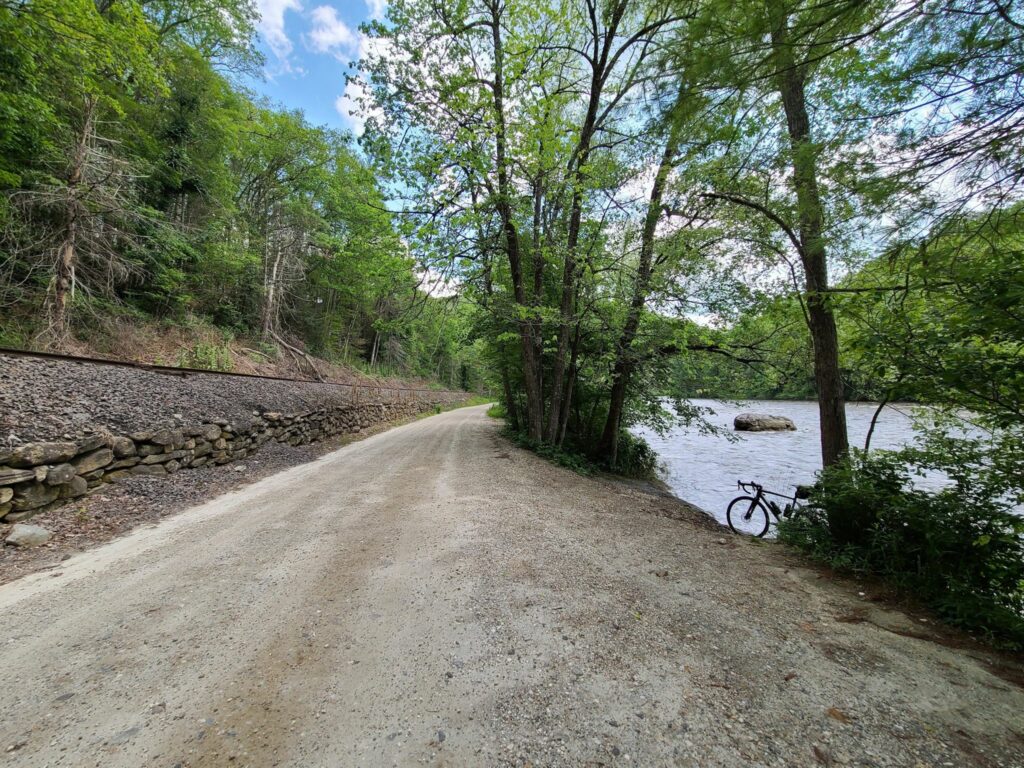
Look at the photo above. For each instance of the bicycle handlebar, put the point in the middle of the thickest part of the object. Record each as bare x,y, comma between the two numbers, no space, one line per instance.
803,492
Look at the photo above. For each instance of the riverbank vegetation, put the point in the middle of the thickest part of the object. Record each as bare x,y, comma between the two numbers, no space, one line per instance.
651,197
142,186
960,550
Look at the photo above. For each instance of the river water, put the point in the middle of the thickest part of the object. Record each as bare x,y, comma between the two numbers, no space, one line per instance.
703,469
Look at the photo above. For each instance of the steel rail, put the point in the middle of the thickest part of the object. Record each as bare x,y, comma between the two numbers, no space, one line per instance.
171,370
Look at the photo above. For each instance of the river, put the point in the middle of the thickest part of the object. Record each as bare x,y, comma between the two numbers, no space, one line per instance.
703,469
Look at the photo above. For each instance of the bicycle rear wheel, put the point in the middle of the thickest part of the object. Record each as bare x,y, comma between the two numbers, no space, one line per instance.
748,516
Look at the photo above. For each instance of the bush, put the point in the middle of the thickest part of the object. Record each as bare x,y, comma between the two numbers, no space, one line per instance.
635,458
959,550
206,355
567,458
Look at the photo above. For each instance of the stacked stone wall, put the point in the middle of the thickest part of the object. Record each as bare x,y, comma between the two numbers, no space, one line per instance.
38,476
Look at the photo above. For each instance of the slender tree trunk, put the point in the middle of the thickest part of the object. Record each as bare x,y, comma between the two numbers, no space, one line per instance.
791,76
270,297
374,348
510,399
273,258
625,359
63,285
602,43
568,287
570,386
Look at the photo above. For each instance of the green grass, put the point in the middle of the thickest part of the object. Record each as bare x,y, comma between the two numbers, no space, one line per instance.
476,400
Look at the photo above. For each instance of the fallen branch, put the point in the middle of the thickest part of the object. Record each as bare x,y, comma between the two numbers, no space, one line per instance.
294,351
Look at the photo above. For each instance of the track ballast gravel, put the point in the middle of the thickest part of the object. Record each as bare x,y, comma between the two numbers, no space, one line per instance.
43,399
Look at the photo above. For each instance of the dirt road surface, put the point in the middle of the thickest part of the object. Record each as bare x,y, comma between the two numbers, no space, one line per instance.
433,596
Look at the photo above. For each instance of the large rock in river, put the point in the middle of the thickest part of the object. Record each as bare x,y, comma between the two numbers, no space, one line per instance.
762,422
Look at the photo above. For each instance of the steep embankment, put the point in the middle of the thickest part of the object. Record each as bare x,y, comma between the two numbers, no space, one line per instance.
54,399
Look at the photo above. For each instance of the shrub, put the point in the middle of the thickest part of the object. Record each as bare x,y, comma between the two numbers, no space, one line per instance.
635,458
209,356
959,550
567,458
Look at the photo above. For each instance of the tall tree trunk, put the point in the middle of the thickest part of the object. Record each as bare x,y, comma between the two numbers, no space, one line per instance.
570,387
790,76
625,357
374,348
600,69
531,363
63,285
270,299
565,313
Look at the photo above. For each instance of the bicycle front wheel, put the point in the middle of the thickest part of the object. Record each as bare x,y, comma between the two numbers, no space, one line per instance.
748,516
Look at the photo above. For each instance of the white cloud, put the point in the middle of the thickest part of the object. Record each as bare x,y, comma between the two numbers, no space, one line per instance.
436,284
348,104
377,8
330,34
271,25
348,108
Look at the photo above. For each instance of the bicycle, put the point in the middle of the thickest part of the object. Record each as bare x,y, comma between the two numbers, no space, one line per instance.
752,515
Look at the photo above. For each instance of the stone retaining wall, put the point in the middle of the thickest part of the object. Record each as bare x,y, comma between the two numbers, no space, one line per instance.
38,476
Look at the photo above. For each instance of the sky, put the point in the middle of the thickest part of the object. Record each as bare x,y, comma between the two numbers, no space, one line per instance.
309,45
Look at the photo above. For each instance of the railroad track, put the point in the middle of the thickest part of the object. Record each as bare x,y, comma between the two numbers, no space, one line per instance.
171,370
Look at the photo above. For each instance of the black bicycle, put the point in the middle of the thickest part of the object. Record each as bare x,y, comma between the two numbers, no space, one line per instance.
752,515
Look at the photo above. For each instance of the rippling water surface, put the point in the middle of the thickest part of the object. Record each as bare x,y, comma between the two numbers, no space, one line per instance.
703,469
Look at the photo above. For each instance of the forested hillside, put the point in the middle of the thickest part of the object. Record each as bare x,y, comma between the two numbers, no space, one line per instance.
145,192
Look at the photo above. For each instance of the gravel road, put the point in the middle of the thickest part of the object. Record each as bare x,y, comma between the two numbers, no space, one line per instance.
433,596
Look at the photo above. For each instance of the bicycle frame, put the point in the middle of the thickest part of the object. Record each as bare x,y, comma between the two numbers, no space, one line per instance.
761,497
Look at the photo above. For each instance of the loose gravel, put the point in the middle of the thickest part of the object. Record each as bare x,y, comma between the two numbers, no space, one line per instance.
49,399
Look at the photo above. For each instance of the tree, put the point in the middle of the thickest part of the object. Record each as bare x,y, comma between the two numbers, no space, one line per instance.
772,60
509,124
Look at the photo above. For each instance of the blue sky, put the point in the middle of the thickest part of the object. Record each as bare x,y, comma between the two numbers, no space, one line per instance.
309,45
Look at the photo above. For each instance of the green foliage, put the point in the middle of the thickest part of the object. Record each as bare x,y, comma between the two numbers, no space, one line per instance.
765,353
191,198
212,357
938,320
635,458
475,400
959,550
574,460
